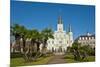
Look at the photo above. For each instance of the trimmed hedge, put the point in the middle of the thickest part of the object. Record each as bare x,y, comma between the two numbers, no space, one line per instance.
16,55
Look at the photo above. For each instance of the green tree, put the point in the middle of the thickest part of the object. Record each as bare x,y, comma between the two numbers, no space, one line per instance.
35,38
79,52
19,32
33,46
45,34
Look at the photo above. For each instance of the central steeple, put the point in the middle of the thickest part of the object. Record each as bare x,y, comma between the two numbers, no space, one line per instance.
60,24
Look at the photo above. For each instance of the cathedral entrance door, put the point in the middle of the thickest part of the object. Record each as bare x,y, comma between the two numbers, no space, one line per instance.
60,49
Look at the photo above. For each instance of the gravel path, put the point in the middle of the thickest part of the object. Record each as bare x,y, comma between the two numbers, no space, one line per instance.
57,59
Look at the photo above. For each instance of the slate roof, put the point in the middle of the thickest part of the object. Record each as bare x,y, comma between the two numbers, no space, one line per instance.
93,35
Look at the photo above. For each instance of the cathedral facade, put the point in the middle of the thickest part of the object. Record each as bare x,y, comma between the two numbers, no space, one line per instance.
62,39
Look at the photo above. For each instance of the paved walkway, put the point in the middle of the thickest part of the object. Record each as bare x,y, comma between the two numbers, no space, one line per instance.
57,59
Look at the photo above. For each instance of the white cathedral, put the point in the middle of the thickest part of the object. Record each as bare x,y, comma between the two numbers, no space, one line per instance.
62,39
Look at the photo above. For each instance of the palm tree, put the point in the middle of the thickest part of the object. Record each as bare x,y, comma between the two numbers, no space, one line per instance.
45,34
32,47
19,32
35,37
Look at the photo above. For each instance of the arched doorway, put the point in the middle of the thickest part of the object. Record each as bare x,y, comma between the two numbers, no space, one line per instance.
60,49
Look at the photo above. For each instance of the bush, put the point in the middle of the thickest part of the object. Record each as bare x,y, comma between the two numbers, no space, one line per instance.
81,52
16,55
91,52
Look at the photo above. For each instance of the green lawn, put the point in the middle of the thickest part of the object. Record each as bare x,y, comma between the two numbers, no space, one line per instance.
44,60
90,59
21,62
70,59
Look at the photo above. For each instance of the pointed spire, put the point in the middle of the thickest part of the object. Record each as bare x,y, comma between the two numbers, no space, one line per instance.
59,20
69,29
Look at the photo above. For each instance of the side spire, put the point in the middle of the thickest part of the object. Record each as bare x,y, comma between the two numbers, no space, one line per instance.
69,29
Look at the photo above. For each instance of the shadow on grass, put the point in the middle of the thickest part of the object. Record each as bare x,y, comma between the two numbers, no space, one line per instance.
68,57
20,61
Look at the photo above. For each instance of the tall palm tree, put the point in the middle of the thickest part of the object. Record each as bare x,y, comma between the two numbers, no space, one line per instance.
33,47
36,37
46,34
19,32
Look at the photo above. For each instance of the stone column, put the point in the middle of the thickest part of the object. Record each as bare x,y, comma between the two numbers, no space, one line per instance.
21,45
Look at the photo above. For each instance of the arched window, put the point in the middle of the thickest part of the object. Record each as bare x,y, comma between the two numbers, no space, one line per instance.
89,38
85,38
82,38
52,42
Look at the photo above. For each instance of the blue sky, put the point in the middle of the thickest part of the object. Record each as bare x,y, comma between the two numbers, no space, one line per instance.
41,15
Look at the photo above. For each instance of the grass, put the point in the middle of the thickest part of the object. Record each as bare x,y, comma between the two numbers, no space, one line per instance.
44,60
20,61
70,59
90,59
